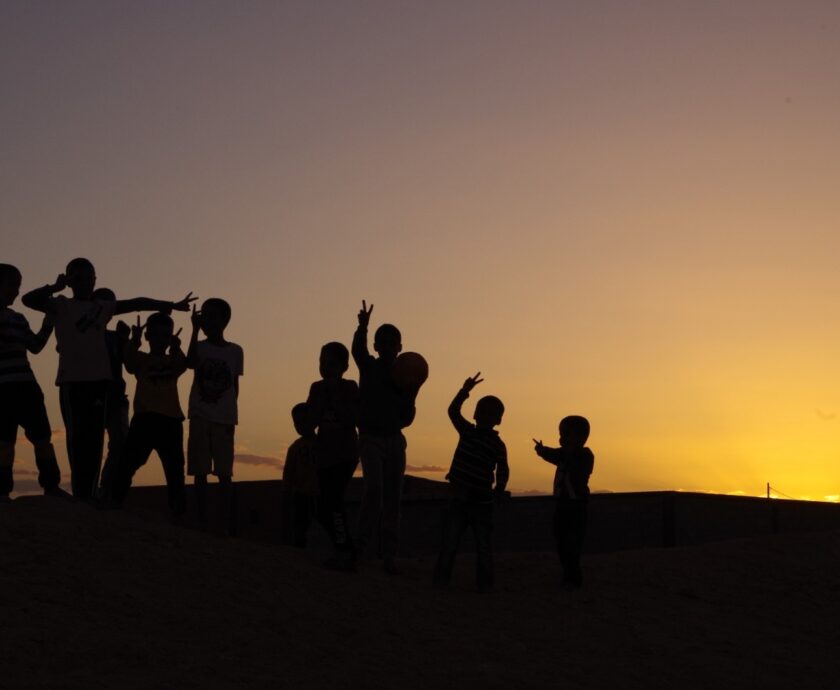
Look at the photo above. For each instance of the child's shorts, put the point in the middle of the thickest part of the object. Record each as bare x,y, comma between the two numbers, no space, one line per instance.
210,448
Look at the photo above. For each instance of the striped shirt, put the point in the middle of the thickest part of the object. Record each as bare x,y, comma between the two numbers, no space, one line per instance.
480,457
16,337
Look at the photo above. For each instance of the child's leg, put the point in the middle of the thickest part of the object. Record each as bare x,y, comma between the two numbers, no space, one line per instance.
454,521
332,482
8,436
569,525
83,407
221,451
116,424
36,425
372,456
170,448
7,460
139,443
481,518
393,473
199,464
227,495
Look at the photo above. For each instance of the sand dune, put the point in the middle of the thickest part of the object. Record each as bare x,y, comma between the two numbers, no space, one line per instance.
109,600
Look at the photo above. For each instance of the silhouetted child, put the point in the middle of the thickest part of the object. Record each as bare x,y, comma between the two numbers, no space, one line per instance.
158,422
84,368
21,398
574,463
480,459
333,406
116,407
300,480
213,411
384,411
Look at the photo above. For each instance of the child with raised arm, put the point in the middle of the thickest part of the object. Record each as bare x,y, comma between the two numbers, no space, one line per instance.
574,462
218,364
300,480
480,460
21,398
84,368
384,411
158,422
333,406
116,406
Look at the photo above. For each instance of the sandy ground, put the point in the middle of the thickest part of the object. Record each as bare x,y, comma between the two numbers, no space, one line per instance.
109,600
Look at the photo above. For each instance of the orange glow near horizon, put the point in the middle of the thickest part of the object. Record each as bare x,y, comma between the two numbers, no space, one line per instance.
622,212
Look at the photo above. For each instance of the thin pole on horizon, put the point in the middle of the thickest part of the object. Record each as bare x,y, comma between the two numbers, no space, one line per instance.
768,489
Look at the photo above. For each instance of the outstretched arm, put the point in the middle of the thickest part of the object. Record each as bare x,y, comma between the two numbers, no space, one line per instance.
359,346
123,306
552,455
36,341
39,298
454,410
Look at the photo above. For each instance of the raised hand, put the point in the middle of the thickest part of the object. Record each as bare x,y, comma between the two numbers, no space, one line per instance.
195,318
364,314
137,331
60,283
538,446
175,343
184,304
123,330
472,382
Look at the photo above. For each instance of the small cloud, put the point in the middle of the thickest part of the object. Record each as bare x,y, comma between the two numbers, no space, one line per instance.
532,492
259,460
827,416
832,498
426,468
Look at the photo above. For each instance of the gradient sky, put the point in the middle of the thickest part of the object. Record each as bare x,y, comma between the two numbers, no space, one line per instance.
622,210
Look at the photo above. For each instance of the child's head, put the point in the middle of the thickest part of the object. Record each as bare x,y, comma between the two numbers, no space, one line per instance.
300,418
488,412
334,361
215,316
10,279
159,329
574,431
387,341
81,277
103,294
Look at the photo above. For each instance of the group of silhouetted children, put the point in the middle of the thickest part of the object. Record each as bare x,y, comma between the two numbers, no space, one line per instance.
340,424
92,390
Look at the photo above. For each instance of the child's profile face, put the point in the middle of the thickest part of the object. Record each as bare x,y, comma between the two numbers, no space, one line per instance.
569,439
9,290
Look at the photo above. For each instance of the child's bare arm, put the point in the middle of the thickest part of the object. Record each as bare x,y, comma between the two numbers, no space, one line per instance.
192,355
552,455
454,410
124,306
39,299
359,347
37,341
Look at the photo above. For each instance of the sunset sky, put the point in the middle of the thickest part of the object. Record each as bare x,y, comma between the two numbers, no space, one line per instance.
628,211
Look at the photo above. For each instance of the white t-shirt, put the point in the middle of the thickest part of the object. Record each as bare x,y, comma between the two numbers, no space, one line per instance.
214,389
80,337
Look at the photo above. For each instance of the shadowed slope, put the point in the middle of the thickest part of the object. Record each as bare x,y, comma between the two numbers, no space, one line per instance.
108,600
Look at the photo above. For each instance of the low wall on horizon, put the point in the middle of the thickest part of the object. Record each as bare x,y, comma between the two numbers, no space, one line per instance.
617,521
